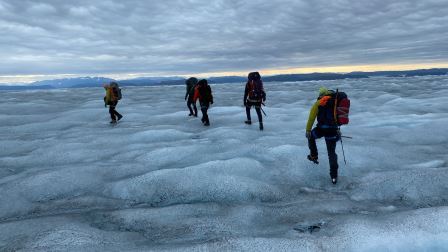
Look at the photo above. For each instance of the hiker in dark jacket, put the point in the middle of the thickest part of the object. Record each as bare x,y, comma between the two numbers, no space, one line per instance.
326,127
111,99
203,92
254,95
190,85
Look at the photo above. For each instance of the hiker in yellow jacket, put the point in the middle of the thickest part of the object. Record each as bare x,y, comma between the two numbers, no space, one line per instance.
111,99
326,127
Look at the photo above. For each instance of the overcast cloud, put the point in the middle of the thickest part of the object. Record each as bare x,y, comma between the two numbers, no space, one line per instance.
197,36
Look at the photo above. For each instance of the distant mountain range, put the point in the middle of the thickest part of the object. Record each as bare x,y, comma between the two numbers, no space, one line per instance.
152,81
73,82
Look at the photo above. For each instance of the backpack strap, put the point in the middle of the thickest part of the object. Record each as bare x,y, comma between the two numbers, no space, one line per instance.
335,107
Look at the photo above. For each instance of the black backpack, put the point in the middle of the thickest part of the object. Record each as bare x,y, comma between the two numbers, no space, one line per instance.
205,91
191,83
255,85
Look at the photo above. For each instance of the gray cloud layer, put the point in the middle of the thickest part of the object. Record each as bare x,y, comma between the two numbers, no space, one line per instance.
184,36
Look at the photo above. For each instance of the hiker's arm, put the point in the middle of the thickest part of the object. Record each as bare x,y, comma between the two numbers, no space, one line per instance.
263,93
246,93
312,116
187,92
211,95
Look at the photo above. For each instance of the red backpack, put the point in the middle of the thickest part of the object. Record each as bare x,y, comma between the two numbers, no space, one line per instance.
341,108
255,84
333,109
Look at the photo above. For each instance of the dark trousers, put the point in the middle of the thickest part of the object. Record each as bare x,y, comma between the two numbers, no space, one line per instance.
257,106
331,138
194,110
204,109
113,113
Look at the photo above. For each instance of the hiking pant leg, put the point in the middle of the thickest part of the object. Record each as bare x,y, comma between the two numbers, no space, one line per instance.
260,116
204,114
248,106
189,103
195,109
332,157
112,112
115,111
117,114
315,134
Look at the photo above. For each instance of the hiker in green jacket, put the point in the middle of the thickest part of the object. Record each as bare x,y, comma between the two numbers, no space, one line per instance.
326,127
113,94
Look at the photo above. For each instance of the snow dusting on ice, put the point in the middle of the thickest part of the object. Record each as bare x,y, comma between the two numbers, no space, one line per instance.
159,180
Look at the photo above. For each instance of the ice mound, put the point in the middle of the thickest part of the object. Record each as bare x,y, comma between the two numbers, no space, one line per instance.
158,135
23,194
234,180
411,186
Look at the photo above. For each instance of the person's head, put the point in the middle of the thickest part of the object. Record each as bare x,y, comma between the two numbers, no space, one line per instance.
113,84
203,82
324,91
254,76
191,81
105,85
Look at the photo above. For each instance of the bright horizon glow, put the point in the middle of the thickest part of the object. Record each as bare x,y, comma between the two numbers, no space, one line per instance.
27,79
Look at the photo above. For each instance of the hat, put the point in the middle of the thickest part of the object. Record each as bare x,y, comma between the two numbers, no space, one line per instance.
323,91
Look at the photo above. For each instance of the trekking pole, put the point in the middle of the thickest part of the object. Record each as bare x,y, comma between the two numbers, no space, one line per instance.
342,145
349,137
262,110
339,128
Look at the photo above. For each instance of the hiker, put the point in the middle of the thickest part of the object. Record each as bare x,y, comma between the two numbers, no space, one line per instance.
254,95
113,94
190,85
327,126
203,92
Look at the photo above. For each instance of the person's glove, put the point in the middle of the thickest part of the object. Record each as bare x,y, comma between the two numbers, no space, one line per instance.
308,134
211,102
245,103
338,132
105,105
264,98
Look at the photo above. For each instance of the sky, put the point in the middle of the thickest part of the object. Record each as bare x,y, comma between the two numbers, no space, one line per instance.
125,39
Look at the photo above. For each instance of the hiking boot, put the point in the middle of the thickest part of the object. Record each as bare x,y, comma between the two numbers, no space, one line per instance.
195,115
249,122
261,126
313,159
113,121
206,124
119,117
334,181
190,114
203,120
